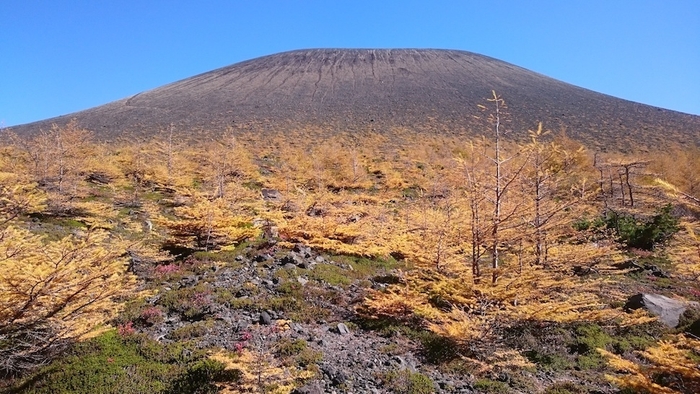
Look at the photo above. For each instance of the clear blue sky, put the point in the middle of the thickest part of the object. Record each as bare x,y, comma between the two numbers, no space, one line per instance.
58,57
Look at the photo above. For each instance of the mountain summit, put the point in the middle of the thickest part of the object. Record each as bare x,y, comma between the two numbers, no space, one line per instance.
427,90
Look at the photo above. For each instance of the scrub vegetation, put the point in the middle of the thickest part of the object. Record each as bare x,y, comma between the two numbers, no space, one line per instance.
504,262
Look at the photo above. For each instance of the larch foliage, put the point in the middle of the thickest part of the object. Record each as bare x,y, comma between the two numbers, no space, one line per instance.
205,223
52,291
341,222
18,197
670,368
678,168
226,162
505,210
57,159
548,181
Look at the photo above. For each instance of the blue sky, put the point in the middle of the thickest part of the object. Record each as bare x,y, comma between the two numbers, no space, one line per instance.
58,57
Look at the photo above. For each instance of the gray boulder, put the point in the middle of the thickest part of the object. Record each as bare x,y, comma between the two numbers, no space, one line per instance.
314,387
265,318
271,194
343,329
667,309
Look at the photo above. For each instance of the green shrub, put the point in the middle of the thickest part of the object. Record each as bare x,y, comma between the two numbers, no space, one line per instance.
438,349
590,337
200,378
590,361
227,297
643,234
364,267
309,314
331,274
298,302
224,256
110,363
459,367
553,362
407,382
491,386
193,330
565,388
299,351
585,224
131,311
287,347
308,357
192,303
632,342
391,349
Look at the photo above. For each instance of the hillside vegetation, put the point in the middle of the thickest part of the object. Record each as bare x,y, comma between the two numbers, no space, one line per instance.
504,265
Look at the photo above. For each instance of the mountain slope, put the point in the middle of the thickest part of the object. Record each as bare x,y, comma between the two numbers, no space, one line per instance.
365,89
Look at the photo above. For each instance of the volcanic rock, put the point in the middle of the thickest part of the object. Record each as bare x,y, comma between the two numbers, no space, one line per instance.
667,309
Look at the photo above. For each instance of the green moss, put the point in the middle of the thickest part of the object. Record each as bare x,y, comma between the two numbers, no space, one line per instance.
73,224
290,274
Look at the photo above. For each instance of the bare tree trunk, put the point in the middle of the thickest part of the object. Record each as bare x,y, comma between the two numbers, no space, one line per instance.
622,189
628,167
474,196
61,160
476,238
629,186
169,153
498,191
539,238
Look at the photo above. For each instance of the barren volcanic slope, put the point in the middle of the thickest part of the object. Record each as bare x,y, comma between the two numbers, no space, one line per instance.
368,89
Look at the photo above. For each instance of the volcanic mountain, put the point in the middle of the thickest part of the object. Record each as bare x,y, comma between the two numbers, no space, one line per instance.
355,90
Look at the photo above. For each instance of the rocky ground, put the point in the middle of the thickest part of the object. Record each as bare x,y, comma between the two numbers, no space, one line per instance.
298,307
267,296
